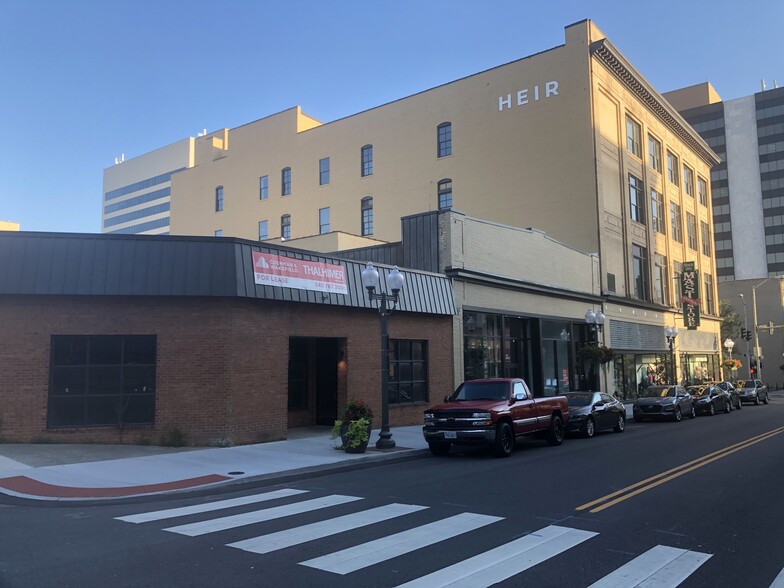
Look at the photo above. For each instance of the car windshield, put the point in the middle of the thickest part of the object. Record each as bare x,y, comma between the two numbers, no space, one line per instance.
744,384
579,399
697,390
482,391
658,391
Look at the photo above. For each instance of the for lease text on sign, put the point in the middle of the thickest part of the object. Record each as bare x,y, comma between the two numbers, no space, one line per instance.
270,269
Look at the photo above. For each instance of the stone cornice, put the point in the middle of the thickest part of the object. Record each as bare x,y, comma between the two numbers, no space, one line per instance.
626,74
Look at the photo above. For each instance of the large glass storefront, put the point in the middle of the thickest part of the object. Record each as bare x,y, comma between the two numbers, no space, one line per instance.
539,351
633,372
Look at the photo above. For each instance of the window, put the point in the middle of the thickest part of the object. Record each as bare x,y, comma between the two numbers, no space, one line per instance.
637,199
367,160
285,181
218,198
407,371
445,194
677,270
640,269
702,191
654,154
691,231
675,222
367,216
706,238
263,230
323,220
444,139
633,134
708,295
285,227
657,212
672,168
263,187
324,171
688,180
219,232
102,380
660,293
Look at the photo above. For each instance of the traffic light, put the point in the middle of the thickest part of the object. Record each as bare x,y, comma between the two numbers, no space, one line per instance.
742,333
748,334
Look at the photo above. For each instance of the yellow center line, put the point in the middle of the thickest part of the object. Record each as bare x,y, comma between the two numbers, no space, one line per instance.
673,473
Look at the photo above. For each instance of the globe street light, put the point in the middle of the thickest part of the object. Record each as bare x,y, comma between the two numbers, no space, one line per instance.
395,282
728,345
671,333
595,322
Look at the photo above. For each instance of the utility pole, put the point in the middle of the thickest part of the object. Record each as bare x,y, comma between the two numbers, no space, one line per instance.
746,328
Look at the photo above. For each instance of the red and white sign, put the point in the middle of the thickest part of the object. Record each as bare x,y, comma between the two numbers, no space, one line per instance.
270,269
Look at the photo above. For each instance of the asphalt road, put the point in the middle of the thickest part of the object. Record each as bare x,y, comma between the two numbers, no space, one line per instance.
698,499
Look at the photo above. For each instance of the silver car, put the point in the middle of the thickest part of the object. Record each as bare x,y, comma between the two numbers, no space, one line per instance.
663,402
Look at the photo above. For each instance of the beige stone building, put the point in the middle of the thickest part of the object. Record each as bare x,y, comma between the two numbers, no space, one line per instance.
572,141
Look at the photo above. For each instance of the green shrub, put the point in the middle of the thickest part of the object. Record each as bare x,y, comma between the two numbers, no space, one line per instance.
175,437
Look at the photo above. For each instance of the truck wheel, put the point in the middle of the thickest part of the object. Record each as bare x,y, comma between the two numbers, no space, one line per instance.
555,435
439,449
504,440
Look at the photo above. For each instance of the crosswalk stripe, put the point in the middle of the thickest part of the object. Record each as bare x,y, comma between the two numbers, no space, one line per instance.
258,516
283,539
171,513
662,566
373,552
503,562
779,581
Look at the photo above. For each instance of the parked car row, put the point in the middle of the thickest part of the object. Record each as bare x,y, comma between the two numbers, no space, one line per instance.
497,412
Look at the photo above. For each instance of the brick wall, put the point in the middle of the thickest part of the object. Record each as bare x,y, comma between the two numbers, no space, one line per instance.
222,370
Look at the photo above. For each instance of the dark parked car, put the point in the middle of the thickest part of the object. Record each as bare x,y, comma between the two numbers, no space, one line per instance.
734,396
752,391
663,402
709,399
590,412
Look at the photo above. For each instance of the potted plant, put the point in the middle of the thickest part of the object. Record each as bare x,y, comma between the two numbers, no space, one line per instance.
354,428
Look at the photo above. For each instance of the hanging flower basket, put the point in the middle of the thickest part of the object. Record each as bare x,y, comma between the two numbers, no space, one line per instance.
595,353
730,364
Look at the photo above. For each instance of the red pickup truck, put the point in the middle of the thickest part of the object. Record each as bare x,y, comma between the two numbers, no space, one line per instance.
495,412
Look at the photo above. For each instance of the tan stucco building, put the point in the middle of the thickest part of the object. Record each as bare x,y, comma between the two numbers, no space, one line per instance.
572,141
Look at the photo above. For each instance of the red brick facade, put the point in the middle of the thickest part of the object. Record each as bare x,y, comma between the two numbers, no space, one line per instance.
222,363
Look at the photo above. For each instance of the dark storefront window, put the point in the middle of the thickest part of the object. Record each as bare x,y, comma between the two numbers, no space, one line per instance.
102,380
407,371
482,345
555,357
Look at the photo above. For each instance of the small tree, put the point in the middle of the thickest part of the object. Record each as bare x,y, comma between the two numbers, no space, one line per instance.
730,323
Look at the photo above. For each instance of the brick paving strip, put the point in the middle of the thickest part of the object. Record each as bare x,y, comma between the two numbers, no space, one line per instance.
30,487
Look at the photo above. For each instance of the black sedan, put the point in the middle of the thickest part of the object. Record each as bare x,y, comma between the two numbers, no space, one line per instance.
709,399
752,391
663,402
729,388
590,412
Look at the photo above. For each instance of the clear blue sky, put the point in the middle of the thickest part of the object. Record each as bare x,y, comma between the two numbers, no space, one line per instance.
84,81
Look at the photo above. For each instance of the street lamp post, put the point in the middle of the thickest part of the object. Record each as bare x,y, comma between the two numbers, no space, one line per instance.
746,327
728,345
395,282
595,321
757,350
671,333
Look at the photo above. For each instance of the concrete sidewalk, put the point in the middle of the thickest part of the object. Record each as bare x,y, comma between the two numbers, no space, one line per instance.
87,472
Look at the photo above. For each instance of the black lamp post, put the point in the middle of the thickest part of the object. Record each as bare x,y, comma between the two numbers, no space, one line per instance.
395,282
595,322
671,333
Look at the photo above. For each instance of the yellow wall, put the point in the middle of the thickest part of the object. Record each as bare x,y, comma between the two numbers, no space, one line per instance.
8,226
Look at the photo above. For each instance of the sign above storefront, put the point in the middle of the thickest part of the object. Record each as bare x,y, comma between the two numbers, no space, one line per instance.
270,269
690,289
527,95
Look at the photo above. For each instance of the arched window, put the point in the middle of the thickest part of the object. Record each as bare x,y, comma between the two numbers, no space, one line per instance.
285,227
445,139
285,181
367,160
445,194
218,198
367,216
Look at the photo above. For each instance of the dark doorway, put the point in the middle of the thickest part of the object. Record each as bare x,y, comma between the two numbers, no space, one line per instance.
313,380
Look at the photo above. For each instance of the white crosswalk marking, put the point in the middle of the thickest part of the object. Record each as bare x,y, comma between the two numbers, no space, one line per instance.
503,562
660,567
373,552
171,513
289,537
258,516
779,581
